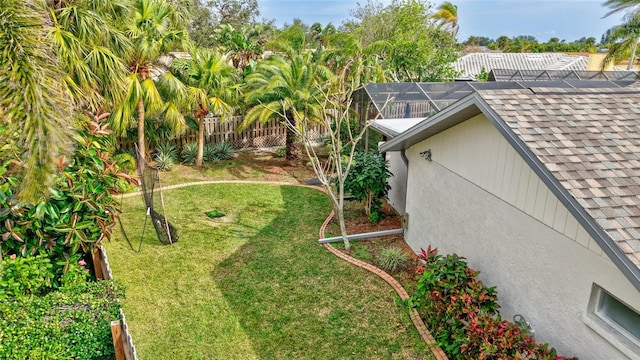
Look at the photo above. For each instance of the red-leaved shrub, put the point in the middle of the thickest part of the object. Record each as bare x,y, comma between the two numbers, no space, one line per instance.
462,313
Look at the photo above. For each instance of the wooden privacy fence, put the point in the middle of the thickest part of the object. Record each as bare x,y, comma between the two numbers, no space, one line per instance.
257,135
122,341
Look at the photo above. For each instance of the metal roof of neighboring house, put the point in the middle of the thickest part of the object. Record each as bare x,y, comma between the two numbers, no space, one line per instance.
471,65
583,143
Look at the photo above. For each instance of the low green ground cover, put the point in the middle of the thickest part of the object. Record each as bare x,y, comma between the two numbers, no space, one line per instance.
253,284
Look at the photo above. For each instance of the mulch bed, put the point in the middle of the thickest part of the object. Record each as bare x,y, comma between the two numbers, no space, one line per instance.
368,249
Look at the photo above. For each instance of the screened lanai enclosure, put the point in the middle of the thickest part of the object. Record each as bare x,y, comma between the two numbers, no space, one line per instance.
421,100
392,108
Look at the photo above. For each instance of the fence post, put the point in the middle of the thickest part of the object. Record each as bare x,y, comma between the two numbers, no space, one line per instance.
97,263
116,334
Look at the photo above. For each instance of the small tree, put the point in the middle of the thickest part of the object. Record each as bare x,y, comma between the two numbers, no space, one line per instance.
344,136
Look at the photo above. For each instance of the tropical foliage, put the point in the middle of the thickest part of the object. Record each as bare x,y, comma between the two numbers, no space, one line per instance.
155,27
80,211
210,88
623,40
447,15
461,313
288,89
418,49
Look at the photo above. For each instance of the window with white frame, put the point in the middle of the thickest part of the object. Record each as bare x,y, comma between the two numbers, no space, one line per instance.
615,321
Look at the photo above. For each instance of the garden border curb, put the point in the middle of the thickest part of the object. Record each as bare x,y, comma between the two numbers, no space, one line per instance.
415,317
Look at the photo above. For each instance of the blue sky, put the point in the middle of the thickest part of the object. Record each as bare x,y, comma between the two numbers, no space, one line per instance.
564,19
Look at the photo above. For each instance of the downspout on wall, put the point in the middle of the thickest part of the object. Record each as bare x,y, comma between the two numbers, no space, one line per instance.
405,215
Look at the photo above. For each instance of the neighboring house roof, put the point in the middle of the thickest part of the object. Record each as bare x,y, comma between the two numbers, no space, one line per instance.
583,143
470,65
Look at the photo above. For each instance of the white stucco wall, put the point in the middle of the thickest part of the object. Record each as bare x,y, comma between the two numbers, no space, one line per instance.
471,200
398,182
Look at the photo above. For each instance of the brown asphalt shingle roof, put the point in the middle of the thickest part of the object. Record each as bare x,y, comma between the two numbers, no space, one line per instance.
589,140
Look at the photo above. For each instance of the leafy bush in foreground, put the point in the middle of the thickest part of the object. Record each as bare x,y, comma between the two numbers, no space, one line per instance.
72,322
462,313
79,213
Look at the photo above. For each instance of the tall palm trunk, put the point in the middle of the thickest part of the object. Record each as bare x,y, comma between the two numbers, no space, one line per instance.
633,54
200,141
292,149
141,146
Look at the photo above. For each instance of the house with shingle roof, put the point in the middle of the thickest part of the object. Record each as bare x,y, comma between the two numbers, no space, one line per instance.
540,189
471,65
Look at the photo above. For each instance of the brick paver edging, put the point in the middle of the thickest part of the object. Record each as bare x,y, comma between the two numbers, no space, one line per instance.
415,317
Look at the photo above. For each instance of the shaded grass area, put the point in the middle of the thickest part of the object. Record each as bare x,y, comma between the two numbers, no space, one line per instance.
253,284
246,166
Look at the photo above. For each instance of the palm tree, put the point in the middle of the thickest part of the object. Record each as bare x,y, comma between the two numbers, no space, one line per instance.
210,88
35,102
320,34
629,34
244,44
155,27
70,53
90,49
447,15
354,64
289,90
620,5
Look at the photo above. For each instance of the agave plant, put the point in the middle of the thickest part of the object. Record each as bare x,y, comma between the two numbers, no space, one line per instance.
210,153
167,149
189,153
223,151
164,160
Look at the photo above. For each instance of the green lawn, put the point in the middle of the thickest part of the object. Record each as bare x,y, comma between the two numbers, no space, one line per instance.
254,284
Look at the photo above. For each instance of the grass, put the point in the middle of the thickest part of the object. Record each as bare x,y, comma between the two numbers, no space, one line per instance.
253,284
246,166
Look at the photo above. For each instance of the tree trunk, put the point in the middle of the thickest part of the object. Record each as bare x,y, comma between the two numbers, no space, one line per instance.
633,55
340,211
292,148
141,146
343,228
200,141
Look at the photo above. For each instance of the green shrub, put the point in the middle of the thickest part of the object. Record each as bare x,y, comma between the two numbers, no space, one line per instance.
223,151
72,323
367,182
79,213
164,160
189,153
169,150
280,152
393,259
218,151
462,313
20,276
209,153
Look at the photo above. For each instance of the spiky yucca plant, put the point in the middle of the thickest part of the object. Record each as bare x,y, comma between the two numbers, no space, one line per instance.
392,259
